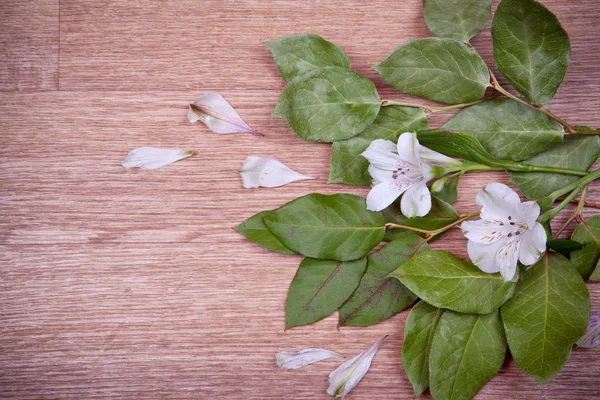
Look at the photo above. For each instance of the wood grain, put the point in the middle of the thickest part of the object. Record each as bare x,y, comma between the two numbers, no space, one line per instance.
132,284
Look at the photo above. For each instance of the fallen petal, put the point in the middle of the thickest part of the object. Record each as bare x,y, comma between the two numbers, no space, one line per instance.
214,111
152,157
268,172
343,379
591,338
298,359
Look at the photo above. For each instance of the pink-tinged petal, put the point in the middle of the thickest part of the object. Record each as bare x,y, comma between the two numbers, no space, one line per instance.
431,157
533,244
381,154
216,113
484,231
408,148
383,194
484,255
528,212
380,175
416,201
153,157
269,172
508,256
298,359
498,201
591,338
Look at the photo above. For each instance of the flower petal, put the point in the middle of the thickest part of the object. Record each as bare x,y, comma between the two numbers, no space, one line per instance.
268,172
533,244
381,154
484,231
431,157
347,375
383,194
298,359
416,201
214,111
528,212
408,148
591,338
498,201
380,175
508,256
484,255
152,157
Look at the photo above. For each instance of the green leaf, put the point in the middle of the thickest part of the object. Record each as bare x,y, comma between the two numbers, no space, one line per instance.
456,19
449,192
531,48
418,334
443,70
444,280
576,152
588,234
297,54
331,104
507,129
333,227
547,315
319,288
254,229
466,352
441,214
348,166
379,297
564,246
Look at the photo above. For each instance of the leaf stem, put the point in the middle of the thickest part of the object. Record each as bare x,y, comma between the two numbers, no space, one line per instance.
431,234
546,202
428,109
520,167
577,213
550,214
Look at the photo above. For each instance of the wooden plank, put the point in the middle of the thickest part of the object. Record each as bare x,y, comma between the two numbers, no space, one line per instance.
29,45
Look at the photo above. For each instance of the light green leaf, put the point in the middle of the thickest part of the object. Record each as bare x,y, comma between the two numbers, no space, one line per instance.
348,166
437,69
297,54
379,297
466,352
331,104
576,152
254,229
319,288
588,234
547,315
507,129
456,19
418,334
531,48
444,280
333,227
441,214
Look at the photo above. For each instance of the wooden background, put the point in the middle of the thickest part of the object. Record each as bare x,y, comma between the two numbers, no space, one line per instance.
132,284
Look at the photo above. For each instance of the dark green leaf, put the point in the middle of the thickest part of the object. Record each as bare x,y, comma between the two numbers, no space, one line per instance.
331,104
334,227
531,48
449,192
254,229
297,54
588,234
564,246
418,334
507,129
348,166
456,19
444,280
379,297
437,69
576,152
319,288
467,351
547,315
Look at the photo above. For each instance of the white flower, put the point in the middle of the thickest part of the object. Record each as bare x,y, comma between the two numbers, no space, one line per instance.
406,168
506,233
591,338
267,172
214,111
152,157
298,359
343,379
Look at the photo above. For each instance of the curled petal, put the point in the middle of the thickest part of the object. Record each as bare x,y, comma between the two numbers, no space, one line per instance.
214,111
268,172
152,157
591,338
484,255
298,359
431,157
497,201
408,148
533,244
383,194
416,201
343,379
528,212
381,154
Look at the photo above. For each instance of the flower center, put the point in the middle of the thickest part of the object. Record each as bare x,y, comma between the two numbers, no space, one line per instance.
406,171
